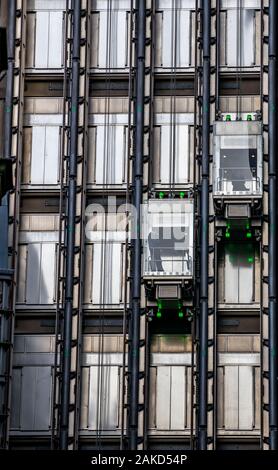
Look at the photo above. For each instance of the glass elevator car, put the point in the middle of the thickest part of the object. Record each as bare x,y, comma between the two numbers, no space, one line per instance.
237,159
168,237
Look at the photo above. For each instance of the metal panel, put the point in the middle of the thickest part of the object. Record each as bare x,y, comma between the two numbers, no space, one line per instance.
47,279
15,398
45,154
33,273
231,397
30,49
181,154
42,38
246,397
178,397
40,282
174,25
104,398
55,54
111,154
38,153
51,161
236,56
49,39
32,395
239,274
239,392
113,47
21,275
170,396
107,279
163,392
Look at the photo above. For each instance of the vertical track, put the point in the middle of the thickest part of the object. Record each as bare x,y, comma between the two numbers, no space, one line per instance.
137,338
13,124
206,327
71,250
272,226
264,244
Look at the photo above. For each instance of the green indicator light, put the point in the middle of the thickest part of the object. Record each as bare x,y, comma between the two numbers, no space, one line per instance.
180,314
228,117
250,259
248,235
159,304
182,194
161,195
249,117
158,314
247,226
227,235
228,225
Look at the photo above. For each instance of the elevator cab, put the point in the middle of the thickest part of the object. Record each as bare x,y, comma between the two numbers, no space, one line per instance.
237,166
168,233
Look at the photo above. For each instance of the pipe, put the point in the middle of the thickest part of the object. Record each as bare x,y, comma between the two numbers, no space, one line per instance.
272,232
70,231
203,320
134,330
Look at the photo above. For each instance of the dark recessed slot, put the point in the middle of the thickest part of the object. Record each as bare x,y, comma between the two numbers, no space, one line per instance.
244,86
103,324
37,204
175,86
238,324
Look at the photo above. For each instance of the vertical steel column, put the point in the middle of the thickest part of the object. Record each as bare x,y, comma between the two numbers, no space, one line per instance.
134,330
13,123
203,321
10,80
272,232
70,230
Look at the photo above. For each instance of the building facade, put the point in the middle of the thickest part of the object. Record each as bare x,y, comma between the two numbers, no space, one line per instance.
114,340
